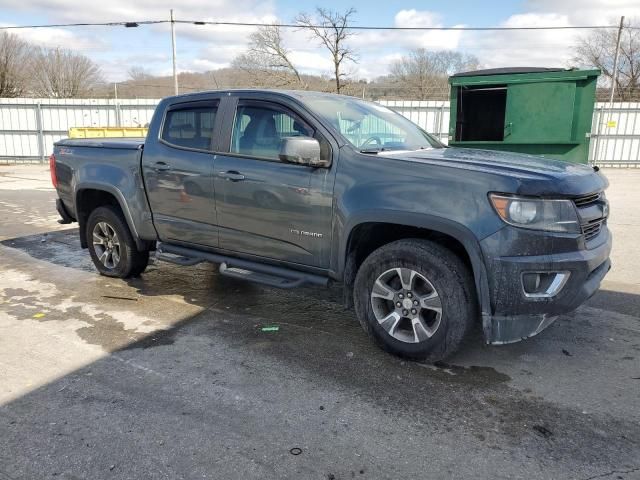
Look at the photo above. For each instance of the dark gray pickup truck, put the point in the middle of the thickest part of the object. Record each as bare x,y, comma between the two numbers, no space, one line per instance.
302,188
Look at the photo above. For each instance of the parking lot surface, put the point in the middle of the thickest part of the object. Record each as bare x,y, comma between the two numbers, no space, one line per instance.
173,375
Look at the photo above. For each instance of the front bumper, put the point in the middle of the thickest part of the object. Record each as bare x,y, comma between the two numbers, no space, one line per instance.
516,316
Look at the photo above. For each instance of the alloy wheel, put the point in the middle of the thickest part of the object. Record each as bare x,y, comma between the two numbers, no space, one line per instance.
106,245
406,305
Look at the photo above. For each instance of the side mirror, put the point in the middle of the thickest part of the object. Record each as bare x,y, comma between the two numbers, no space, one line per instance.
302,150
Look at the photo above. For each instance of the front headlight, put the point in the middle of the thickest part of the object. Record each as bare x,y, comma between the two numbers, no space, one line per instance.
537,213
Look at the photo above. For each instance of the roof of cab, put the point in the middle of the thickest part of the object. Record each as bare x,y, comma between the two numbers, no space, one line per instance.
301,94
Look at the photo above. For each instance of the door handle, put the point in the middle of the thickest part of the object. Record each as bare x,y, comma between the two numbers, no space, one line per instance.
232,176
161,167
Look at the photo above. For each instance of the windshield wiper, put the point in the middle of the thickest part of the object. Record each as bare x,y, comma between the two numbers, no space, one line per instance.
372,150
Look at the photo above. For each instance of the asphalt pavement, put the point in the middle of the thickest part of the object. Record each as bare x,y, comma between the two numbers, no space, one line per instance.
183,374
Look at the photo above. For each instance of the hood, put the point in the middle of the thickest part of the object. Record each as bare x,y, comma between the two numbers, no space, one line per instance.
529,174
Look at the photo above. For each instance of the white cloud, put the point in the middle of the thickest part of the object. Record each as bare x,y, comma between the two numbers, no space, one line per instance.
220,54
115,69
548,48
119,10
406,39
214,45
312,62
378,49
202,48
415,18
59,37
530,48
587,12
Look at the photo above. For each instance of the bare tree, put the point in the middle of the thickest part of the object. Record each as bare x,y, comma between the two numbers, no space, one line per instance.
64,74
15,58
138,73
598,50
268,60
332,30
425,72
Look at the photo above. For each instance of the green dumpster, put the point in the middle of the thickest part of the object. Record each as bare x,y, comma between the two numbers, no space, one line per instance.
541,111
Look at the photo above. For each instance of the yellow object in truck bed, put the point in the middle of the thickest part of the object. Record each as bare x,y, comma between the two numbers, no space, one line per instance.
107,132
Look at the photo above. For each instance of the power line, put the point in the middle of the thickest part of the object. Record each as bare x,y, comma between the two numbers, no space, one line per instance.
365,27
298,26
85,24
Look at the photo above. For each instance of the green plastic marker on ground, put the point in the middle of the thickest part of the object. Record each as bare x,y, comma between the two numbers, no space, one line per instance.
270,328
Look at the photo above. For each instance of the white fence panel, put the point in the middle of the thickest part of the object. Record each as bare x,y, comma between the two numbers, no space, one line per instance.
30,126
431,115
615,137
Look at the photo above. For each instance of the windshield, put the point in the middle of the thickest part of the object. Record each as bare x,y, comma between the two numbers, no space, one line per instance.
370,127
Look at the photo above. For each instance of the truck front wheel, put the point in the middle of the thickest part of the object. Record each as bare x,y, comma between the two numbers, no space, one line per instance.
416,299
111,245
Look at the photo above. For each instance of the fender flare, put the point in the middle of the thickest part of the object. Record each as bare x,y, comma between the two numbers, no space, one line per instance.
117,194
434,223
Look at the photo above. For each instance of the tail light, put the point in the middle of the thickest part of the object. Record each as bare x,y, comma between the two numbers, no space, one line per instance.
52,168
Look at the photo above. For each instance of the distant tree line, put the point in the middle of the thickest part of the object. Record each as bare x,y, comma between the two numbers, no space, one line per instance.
30,71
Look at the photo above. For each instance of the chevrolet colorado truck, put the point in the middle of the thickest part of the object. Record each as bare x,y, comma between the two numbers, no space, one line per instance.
303,188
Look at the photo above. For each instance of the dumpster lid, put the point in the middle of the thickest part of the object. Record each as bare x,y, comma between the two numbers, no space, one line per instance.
508,70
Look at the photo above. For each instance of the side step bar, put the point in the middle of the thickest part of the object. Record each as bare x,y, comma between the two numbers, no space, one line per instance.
257,277
256,272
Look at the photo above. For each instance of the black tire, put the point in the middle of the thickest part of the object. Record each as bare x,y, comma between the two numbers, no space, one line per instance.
131,262
449,277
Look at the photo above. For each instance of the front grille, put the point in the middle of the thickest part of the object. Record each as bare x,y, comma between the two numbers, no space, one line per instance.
591,212
592,229
587,200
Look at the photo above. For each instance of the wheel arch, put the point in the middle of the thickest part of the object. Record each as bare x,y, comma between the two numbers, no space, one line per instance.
88,197
370,231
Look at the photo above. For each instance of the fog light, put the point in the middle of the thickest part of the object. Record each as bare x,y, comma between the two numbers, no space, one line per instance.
543,284
531,282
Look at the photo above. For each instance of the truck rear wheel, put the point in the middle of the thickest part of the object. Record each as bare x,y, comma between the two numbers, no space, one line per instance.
416,299
111,245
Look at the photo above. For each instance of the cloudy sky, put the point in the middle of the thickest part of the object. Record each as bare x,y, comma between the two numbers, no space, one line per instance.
202,48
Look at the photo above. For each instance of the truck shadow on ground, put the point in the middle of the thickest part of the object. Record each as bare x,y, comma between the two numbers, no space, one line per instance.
194,372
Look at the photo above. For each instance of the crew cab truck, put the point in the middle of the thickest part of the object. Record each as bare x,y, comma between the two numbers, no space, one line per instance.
303,188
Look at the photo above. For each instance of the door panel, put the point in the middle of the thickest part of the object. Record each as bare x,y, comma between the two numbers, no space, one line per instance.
178,171
527,104
266,207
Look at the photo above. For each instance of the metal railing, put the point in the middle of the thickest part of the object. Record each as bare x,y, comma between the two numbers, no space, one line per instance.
29,127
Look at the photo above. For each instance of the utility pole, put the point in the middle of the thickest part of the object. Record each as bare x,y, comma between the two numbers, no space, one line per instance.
116,106
614,74
173,49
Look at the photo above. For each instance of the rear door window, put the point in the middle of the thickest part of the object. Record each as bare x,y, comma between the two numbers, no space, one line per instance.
190,127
